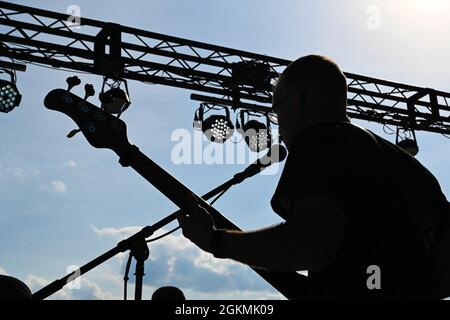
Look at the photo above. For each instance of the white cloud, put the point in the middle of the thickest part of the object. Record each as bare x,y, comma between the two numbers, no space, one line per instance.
70,164
177,261
21,172
172,241
174,261
3,272
35,283
87,290
58,186
18,173
207,261
123,232
111,276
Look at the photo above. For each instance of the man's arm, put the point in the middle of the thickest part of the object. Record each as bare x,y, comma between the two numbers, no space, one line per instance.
308,241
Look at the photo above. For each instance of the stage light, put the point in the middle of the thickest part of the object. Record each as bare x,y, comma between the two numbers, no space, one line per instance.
115,100
9,94
252,74
407,141
217,128
256,134
409,145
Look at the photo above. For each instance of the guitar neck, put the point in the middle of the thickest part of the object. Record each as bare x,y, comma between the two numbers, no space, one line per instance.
173,189
290,284
102,130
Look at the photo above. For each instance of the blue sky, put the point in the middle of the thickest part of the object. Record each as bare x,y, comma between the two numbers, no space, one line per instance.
63,203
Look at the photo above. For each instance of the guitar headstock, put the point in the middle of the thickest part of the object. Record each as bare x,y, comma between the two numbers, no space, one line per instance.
101,129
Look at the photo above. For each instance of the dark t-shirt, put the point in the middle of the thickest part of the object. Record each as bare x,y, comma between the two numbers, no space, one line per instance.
392,205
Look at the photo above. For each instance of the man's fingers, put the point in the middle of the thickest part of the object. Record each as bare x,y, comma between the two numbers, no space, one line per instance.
194,205
181,217
194,212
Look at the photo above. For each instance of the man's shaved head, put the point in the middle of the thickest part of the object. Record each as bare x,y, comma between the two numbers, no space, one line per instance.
312,89
321,78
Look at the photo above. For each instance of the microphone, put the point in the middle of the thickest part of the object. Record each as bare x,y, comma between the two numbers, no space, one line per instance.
277,153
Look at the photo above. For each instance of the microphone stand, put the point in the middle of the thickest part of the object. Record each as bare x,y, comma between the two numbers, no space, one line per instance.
137,243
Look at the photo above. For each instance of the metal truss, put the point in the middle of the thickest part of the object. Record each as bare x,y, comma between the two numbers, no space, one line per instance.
230,77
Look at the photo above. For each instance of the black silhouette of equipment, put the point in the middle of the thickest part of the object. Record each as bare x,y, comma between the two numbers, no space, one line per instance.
102,130
229,77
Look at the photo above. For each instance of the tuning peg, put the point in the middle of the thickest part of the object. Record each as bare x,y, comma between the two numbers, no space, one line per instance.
89,127
72,82
72,133
89,91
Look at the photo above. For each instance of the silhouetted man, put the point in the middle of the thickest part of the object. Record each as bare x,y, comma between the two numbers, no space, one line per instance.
364,217
13,289
168,293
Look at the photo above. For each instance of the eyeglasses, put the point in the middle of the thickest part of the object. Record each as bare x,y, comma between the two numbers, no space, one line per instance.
276,106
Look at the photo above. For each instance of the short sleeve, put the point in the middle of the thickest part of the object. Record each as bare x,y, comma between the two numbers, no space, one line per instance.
317,164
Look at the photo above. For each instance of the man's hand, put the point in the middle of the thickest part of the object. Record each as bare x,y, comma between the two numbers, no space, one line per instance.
197,225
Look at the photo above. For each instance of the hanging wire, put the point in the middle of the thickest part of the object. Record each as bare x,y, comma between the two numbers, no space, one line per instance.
385,126
163,235
14,71
236,120
175,229
219,195
210,107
